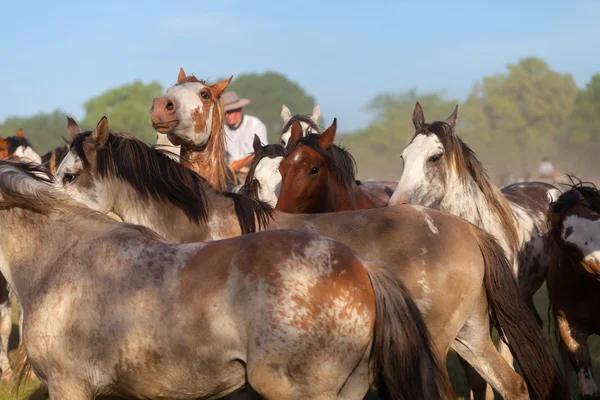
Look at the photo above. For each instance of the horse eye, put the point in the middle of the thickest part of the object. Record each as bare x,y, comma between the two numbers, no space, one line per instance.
314,170
435,158
68,178
205,95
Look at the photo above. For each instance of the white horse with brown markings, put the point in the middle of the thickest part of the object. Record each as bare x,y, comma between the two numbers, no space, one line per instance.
455,287
111,309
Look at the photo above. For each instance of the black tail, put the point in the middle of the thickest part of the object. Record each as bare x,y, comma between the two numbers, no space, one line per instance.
515,322
403,354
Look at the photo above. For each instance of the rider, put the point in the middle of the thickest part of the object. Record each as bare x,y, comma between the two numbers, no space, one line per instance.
240,129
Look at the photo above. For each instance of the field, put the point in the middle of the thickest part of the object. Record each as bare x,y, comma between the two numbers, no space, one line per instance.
32,389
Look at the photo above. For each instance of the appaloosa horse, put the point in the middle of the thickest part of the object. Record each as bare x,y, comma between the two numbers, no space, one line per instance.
440,170
456,273
319,177
113,309
573,279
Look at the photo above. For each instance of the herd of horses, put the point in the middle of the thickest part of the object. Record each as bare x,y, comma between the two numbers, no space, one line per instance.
300,282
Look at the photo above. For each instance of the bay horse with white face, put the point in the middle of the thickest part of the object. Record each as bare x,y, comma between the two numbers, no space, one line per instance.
455,287
191,115
573,280
113,309
319,176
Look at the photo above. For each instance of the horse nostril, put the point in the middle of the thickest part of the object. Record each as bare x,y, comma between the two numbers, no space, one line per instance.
170,106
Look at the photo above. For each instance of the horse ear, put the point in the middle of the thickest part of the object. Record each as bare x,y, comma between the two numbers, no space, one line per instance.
20,133
100,133
66,141
256,144
181,75
316,114
72,128
418,116
451,120
286,114
326,138
296,133
219,87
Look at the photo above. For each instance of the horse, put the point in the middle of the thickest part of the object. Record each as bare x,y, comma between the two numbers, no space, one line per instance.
441,171
196,124
457,287
52,159
308,124
319,177
3,149
573,281
19,147
196,320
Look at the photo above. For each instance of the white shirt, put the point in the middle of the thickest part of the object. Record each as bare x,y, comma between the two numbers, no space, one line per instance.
546,168
238,141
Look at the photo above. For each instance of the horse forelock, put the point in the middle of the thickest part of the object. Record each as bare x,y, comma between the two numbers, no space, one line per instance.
338,160
190,79
301,118
267,151
463,160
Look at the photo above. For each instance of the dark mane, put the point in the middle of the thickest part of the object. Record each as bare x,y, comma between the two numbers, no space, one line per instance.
571,197
466,164
15,142
338,160
249,187
154,174
300,118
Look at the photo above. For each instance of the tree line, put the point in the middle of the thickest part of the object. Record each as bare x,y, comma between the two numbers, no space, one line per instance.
511,120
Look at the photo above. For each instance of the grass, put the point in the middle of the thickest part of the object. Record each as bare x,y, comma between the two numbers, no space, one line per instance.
32,391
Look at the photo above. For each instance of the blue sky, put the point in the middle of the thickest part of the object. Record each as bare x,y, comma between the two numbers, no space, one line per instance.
58,54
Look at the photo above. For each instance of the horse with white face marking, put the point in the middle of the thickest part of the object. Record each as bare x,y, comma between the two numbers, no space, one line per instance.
457,288
441,170
309,124
191,115
573,280
19,147
308,319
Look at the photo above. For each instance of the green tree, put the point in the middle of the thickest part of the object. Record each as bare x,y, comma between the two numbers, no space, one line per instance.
127,108
377,147
268,92
43,130
519,117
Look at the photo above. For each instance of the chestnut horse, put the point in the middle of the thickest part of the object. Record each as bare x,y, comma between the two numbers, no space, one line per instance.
456,273
309,124
573,280
319,176
113,309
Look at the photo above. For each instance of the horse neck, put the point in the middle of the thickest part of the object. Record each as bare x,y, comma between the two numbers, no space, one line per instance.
346,198
464,198
209,160
170,221
34,244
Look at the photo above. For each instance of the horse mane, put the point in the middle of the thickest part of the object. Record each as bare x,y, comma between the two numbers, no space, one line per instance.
570,198
466,165
153,174
190,79
249,187
14,142
338,159
300,118
53,158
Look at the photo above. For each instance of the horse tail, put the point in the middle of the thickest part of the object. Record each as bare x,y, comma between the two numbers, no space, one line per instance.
21,368
403,356
516,324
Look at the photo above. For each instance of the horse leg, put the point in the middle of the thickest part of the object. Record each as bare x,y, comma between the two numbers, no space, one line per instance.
575,343
69,389
5,330
478,387
474,344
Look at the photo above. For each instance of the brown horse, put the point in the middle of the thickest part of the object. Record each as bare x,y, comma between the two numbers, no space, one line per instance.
113,309
573,280
191,114
3,149
455,287
319,177
52,159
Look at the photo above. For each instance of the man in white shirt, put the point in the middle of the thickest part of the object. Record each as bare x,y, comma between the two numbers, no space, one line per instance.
240,129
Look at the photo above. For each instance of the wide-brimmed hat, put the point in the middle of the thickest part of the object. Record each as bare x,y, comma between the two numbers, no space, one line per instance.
231,101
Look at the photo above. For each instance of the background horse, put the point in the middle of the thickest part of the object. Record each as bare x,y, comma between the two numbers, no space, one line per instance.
52,159
308,123
319,176
440,170
573,280
19,147
135,309
455,287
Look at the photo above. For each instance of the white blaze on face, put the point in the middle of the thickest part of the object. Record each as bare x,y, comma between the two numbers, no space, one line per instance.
28,154
187,102
269,178
585,234
415,167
